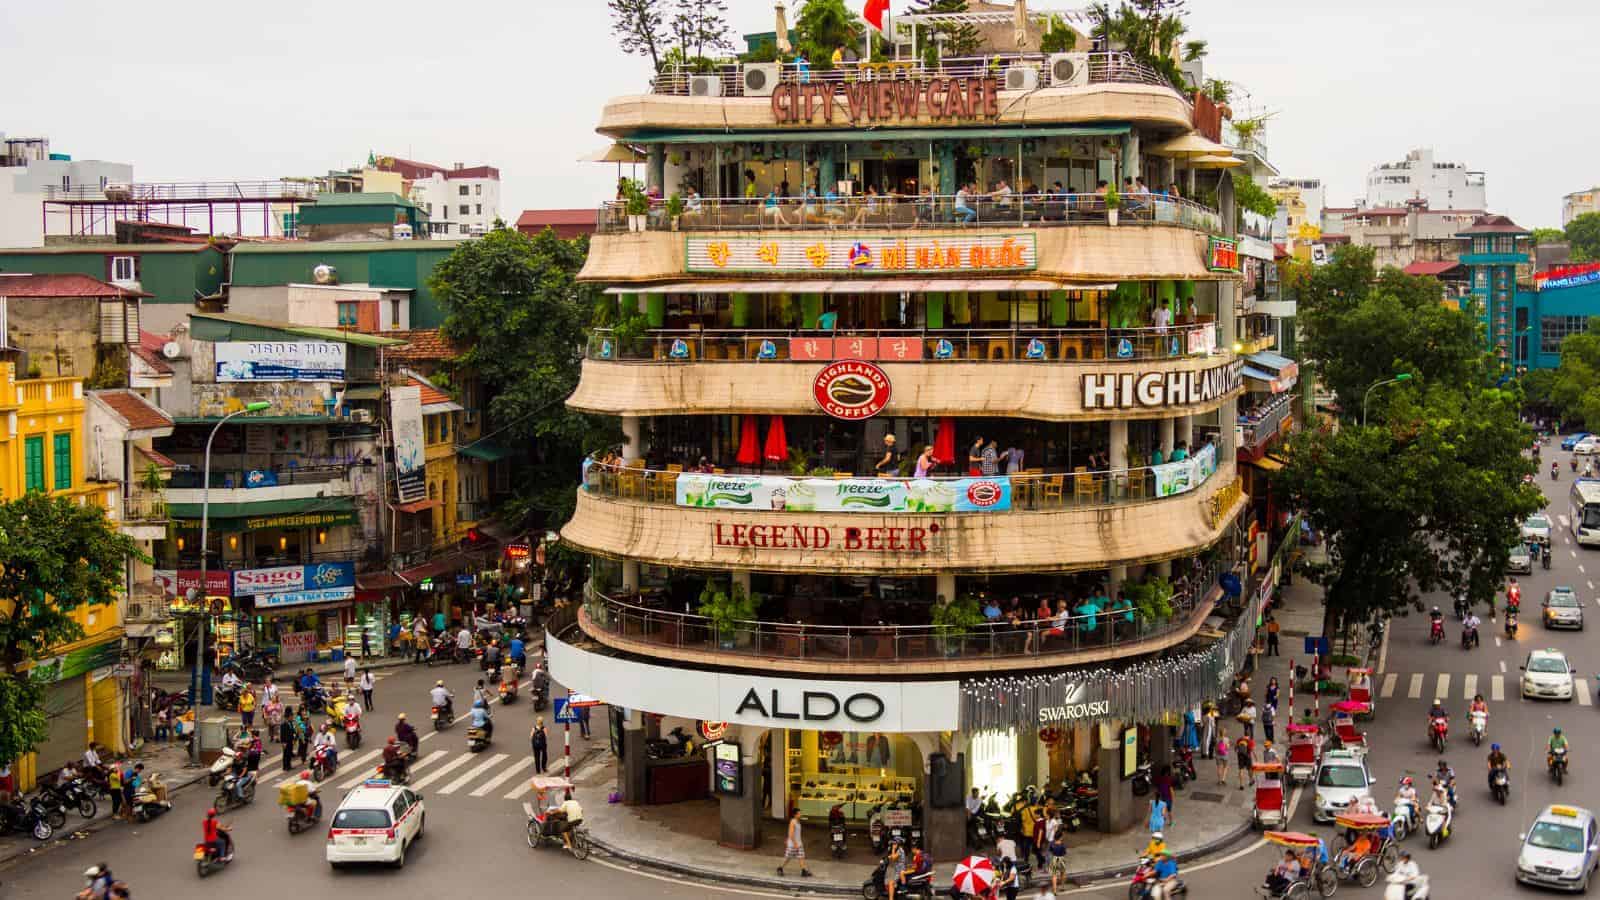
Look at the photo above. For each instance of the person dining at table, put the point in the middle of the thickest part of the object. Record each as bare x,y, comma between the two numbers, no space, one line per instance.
772,209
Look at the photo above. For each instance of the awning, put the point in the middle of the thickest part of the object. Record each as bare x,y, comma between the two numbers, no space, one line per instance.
365,392
1258,375
303,512
378,581
431,409
863,285
1268,463
1272,362
487,452
871,135
417,506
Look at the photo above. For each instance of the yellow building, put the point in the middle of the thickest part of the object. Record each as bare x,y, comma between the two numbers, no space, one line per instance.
441,429
41,449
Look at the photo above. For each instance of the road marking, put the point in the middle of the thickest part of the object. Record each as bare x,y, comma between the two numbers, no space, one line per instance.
1582,687
363,776
1414,690
1469,686
1502,664
474,772
1443,690
1497,643
1383,649
1497,687
1563,521
1574,553
1387,690
502,778
1591,585
1580,568
442,771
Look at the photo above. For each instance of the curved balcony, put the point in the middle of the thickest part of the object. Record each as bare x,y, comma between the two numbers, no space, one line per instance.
632,625
1039,523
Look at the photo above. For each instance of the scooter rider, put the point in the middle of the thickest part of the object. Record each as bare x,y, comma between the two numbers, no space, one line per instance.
1447,776
1497,760
1469,627
1406,795
394,758
541,679
406,733
313,799
1441,797
1166,876
442,698
216,837
482,719
1558,741
481,693
1436,621
1408,870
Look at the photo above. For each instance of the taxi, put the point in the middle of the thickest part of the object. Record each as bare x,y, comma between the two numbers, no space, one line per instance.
1547,675
376,823
1561,850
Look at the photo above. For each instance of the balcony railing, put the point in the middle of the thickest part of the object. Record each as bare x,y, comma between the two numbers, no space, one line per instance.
1033,491
143,507
634,620
197,190
241,478
911,213
1262,424
1104,68
1043,345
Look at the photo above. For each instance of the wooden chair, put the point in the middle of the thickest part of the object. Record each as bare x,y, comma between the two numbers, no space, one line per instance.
675,467
664,487
630,482
1054,488
999,348
1083,486
1136,483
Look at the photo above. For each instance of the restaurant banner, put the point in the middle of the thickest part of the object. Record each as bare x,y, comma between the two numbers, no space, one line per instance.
296,645
176,583
301,598
280,579
863,254
847,495
1186,474
405,411
280,361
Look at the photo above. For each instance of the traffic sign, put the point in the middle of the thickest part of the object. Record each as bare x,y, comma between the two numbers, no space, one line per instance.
564,711
1316,645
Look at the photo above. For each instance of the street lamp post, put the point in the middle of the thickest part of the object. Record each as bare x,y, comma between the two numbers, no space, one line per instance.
199,667
1403,376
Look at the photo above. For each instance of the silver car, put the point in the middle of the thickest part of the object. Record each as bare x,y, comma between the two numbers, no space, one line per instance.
1563,609
1536,528
1341,780
1520,560
1561,851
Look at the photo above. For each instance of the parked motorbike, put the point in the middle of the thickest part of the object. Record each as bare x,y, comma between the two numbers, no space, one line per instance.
836,835
75,794
55,809
26,817
176,703
254,665
1556,761
1500,785
1141,779
1024,871
146,806
1183,771
675,745
1144,882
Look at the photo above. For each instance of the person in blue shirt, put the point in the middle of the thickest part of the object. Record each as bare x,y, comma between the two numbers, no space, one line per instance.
802,67
1166,875
1089,613
482,719
519,655
438,622
991,610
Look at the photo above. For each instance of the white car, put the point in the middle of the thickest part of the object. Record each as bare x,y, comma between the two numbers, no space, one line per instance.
1547,675
377,822
1341,780
1561,850
1587,447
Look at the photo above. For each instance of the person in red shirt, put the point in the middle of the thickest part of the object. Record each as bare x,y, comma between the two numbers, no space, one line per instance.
216,836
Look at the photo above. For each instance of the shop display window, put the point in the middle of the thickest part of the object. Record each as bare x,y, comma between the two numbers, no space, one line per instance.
860,770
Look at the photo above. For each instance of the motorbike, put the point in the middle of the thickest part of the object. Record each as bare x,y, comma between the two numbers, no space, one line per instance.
176,703
836,836
1500,785
1436,824
675,745
1557,763
303,817
1024,871
1544,559
509,687
477,739
26,817
1460,609
443,717
915,886
1142,887
1511,623
207,859
75,794
352,729
254,665
315,700
1404,818
227,699
541,694
1436,631
1398,887
221,766
1438,732
1480,724
1141,779
53,807
146,806
236,790
324,762
1469,636
1555,472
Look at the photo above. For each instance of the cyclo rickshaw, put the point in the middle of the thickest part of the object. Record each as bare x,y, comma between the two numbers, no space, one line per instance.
1315,873
1343,726
1360,682
1374,837
1305,752
1270,810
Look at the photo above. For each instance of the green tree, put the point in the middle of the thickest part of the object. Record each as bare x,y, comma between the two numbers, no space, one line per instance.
1247,194
824,26
1152,31
514,303
1584,233
699,26
55,556
637,25
1538,391
1548,235
1575,387
959,40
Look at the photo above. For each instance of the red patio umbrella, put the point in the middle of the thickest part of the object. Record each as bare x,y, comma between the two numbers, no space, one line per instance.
777,442
944,442
748,441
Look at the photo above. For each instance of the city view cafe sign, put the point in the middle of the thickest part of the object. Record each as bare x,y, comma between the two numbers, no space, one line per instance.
856,102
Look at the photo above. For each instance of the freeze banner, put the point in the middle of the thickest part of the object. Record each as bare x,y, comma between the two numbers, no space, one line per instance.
405,414
1185,474
280,361
867,495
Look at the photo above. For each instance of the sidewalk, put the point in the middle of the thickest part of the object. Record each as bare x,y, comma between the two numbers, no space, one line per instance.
285,673
681,838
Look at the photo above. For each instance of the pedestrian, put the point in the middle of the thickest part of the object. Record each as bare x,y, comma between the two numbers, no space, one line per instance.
1162,784
419,641
1208,743
1272,635
350,667
130,780
1244,751
1247,718
1268,713
1272,691
540,739
366,648
583,721
1219,751
163,725
367,684
1058,859
252,758
247,706
792,846
1158,814
114,787
302,734
286,737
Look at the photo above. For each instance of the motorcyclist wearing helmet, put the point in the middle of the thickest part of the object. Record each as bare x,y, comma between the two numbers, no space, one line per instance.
97,882
1436,620
1558,741
216,837
1513,596
442,698
1497,760
1406,795
313,799
482,719
1446,776
1437,712
406,733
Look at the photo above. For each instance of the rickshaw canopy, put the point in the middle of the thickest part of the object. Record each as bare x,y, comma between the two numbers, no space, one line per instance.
1362,821
1291,839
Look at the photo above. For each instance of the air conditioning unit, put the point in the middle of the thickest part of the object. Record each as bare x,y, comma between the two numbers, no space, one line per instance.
1069,69
705,86
760,79
1022,78
361,415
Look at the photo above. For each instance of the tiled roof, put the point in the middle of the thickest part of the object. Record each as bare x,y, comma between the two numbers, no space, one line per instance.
161,460
412,169
425,344
62,285
1431,268
151,358
474,172
538,218
1495,225
430,394
133,409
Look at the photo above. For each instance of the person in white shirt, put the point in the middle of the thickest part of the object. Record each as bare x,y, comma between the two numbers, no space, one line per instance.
1006,848
231,681
349,668
464,639
573,813
91,758
1162,317
1407,869
974,803
269,691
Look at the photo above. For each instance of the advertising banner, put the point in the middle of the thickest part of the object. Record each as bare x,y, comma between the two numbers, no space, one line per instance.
260,478
405,412
300,598
281,579
280,361
176,583
1187,474
868,495
296,644
863,254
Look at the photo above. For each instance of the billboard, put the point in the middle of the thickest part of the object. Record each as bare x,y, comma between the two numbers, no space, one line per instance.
405,413
283,579
865,495
280,361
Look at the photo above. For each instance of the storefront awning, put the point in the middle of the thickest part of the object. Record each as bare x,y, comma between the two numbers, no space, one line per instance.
485,451
303,512
1268,463
872,135
1257,374
444,565
1272,362
417,506
864,285
364,392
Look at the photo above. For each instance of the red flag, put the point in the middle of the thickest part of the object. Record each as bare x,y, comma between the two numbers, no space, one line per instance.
874,13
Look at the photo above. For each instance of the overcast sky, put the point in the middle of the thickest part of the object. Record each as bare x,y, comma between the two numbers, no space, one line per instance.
187,90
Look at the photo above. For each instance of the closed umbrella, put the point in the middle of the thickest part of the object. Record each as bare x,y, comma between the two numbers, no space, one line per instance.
782,29
944,442
749,442
974,875
777,442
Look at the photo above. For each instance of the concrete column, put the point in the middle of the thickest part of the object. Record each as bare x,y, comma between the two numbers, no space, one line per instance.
947,168
741,815
1114,580
1118,444
827,170
1160,748
1168,428
655,173
632,433
944,829
741,578
631,771
1118,811
946,589
630,576
1164,568
1183,431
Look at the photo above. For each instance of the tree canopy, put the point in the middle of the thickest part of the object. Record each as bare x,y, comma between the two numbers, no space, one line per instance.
637,25
1584,233
1152,31
824,26
55,556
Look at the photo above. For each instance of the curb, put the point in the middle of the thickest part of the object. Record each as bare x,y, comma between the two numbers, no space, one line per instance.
813,886
385,662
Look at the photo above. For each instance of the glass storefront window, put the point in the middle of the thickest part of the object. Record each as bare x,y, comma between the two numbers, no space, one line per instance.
994,763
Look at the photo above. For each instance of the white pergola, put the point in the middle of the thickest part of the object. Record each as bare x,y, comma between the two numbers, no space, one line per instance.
907,25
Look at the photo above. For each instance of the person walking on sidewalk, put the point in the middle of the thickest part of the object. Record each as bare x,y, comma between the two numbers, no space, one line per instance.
1247,718
286,737
367,684
583,721
1268,713
792,846
350,669
1272,635
541,746
419,641
1219,750
1244,749
1208,740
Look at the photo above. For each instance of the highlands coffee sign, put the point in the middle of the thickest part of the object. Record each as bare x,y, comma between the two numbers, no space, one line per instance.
1155,390
940,99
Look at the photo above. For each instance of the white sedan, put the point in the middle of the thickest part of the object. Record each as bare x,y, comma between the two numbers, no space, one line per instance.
1547,675
1589,446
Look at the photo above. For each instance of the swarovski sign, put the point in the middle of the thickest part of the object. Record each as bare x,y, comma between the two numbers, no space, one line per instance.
1074,707
1153,390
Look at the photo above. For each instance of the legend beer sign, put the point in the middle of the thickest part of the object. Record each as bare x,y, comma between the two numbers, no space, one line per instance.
887,100
1155,390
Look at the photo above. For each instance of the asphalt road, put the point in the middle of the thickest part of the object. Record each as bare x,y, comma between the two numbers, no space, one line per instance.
474,837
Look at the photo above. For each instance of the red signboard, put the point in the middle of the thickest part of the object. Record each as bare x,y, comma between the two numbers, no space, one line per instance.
889,349
176,584
855,347
848,538
518,550
811,348
851,389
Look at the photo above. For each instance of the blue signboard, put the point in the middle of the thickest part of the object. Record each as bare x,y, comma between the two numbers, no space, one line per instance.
258,478
564,711
1316,645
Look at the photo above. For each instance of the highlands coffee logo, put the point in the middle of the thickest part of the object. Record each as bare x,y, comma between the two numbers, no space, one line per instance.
851,389
1075,707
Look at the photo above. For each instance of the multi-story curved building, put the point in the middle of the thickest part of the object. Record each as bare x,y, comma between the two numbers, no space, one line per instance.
927,255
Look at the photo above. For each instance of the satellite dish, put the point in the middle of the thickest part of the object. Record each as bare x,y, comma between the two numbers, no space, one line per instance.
171,349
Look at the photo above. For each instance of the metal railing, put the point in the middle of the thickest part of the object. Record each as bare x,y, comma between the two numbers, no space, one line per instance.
191,190
1041,491
1114,67
633,620
1264,423
909,213
239,478
1043,345
144,507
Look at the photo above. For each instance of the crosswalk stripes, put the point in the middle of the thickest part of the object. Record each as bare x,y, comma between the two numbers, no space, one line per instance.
1469,685
1497,688
362,775
1414,691
442,771
1443,690
1388,685
512,772
473,773
1581,688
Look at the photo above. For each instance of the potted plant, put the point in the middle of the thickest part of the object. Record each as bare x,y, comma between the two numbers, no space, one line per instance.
726,610
674,209
637,205
952,621
1113,203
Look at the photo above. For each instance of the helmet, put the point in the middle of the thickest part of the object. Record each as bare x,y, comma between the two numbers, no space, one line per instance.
400,718
478,703
1443,765
1437,702
391,738
1495,747
211,813
1557,730
1405,854
92,872
439,683
1156,835
305,774
1407,779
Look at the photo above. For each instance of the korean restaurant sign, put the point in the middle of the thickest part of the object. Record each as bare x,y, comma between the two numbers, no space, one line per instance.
888,100
1154,390
883,349
840,538
1222,255
862,255
843,495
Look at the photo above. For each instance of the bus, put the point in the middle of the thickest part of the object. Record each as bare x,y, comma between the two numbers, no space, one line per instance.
1586,511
